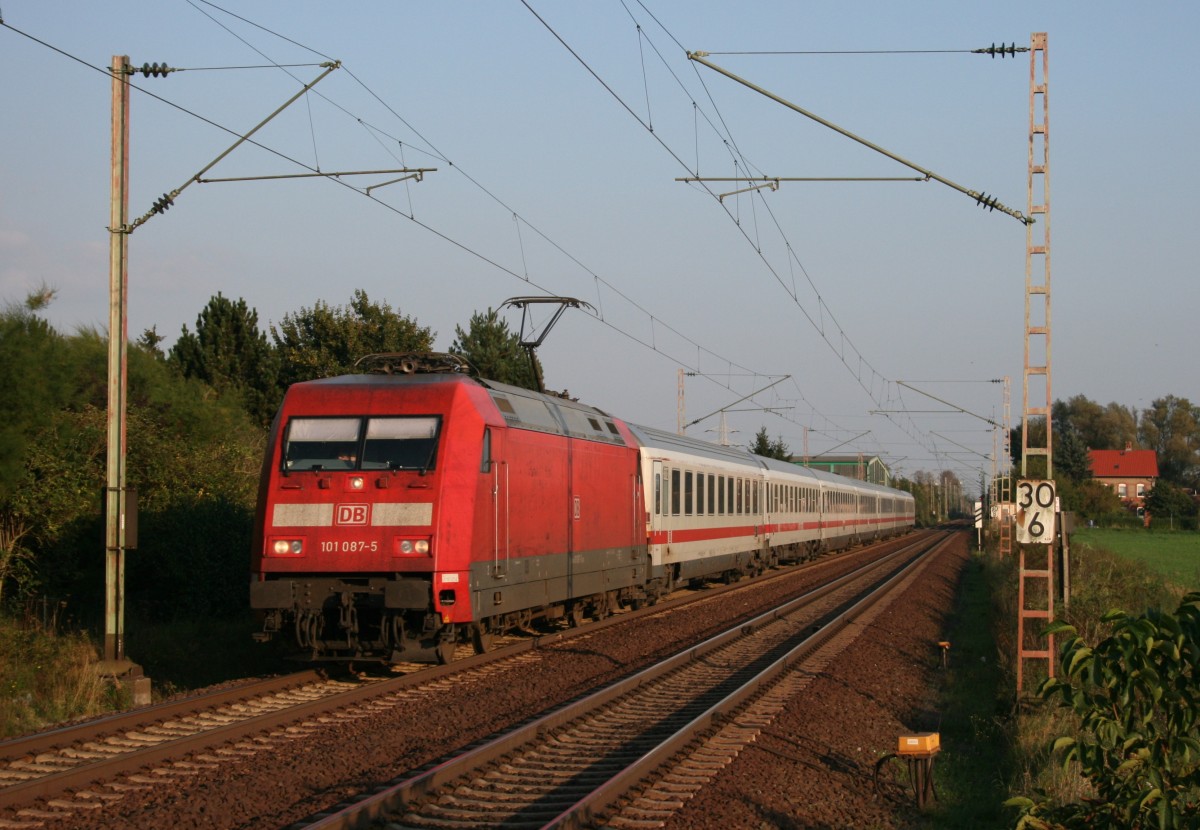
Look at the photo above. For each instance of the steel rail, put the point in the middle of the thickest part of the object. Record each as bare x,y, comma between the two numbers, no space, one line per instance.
89,773
54,783
14,749
396,796
584,812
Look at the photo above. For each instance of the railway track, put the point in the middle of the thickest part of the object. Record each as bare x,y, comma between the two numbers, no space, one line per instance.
589,759
74,757
76,770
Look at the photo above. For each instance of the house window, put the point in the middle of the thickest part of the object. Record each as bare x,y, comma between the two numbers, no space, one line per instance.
1122,490
1141,490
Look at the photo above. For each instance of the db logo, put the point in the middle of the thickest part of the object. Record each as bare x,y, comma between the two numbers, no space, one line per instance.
352,514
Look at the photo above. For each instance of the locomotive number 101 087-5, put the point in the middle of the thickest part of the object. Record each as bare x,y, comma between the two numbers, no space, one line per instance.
358,546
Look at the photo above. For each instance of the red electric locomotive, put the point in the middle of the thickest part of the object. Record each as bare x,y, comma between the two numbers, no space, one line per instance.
400,512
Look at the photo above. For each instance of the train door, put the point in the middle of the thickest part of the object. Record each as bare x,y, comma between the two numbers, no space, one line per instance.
654,515
496,466
760,519
574,511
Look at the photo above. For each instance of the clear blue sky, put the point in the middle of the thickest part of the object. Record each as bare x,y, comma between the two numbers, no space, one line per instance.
547,172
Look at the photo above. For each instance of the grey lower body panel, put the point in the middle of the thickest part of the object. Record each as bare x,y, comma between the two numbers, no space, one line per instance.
503,587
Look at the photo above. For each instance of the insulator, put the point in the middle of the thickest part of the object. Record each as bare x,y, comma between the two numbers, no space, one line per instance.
162,204
1001,50
986,201
158,70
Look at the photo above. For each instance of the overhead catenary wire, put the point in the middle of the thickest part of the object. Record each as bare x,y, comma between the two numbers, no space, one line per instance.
519,220
839,350
164,203
598,279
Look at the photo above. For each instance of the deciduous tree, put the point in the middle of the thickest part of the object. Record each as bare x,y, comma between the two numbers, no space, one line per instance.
323,341
1167,503
1171,427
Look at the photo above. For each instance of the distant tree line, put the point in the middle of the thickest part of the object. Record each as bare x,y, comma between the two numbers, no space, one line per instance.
937,497
1170,427
197,418
230,354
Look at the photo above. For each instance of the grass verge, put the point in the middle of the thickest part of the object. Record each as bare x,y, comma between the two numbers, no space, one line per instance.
48,678
970,774
992,750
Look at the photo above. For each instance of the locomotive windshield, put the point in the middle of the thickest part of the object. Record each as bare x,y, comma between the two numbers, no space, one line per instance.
404,443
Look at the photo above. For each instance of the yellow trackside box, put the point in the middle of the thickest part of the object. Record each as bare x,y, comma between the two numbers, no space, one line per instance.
921,743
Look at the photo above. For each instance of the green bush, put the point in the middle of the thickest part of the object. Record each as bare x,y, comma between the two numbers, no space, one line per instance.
1135,694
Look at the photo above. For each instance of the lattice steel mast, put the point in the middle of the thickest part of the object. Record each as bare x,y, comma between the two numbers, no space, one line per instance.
1037,362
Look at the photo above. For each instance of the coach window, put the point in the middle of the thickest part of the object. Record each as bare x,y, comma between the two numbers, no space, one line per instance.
657,492
711,479
687,493
675,492
699,494
738,509
721,495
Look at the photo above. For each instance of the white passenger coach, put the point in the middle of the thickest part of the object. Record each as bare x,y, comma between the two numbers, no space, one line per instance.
715,508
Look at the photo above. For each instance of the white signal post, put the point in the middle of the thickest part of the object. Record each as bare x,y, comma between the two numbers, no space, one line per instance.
979,524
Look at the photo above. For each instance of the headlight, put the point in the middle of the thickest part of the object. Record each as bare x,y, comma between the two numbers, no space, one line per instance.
419,547
283,547
406,546
355,482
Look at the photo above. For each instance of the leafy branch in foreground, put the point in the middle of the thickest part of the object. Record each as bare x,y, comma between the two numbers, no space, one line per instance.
1135,694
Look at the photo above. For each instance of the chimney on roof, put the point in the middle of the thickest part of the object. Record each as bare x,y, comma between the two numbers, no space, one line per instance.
1128,446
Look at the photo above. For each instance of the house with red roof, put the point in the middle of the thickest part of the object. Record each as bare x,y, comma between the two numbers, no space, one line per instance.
1131,473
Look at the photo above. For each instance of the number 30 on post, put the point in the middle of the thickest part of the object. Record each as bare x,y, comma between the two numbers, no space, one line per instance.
1035,512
